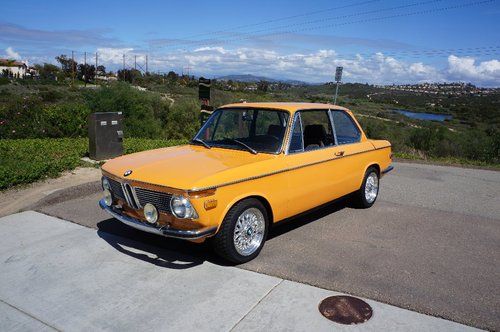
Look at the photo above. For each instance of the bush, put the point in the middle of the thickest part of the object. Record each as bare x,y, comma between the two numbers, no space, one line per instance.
142,111
24,161
28,160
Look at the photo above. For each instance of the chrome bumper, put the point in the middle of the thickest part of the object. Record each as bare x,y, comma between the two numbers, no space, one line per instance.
163,231
387,170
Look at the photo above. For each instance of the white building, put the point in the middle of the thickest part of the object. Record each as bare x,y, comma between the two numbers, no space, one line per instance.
15,68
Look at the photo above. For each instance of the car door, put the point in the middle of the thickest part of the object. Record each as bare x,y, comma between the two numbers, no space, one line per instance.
313,177
353,146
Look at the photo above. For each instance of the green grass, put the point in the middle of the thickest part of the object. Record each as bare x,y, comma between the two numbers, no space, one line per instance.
24,161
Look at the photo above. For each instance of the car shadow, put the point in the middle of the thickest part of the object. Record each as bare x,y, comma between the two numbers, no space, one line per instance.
160,251
309,216
179,254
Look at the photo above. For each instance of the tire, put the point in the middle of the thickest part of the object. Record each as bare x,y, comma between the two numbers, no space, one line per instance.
243,232
368,193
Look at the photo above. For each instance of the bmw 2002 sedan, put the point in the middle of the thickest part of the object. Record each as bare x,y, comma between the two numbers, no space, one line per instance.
251,165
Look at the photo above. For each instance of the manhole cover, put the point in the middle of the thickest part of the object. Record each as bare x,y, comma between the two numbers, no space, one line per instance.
345,309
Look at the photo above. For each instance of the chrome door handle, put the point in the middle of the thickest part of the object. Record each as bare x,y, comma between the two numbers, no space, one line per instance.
339,153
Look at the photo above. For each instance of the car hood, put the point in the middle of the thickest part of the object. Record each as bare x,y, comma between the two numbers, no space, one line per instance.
185,167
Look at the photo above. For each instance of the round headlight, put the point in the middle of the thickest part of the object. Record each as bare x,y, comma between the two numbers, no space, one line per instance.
181,207
108,198
150,213
105,184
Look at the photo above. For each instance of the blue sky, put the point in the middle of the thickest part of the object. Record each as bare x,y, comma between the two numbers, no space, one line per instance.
377,41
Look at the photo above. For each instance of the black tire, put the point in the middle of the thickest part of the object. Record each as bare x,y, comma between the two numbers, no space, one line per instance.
361,196
223,241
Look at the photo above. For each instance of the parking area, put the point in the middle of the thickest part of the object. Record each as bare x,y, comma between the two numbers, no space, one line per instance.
431,243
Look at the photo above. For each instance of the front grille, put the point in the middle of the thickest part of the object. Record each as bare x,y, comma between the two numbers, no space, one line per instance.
116,188
160,200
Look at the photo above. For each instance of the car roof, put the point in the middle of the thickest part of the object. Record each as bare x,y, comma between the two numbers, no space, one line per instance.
288,106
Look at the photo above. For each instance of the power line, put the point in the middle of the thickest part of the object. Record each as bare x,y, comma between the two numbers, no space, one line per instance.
373,19
340,17
231,29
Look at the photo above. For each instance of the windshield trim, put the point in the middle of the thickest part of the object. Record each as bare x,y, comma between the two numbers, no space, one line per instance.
285,135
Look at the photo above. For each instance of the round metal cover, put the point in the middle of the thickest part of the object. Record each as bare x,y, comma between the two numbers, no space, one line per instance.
345,309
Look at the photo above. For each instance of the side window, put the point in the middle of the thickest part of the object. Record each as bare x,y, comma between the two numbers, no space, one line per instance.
317,129
345,129
296,142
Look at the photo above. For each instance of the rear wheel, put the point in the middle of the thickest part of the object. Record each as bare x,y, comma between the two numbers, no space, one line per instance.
243,232
368,193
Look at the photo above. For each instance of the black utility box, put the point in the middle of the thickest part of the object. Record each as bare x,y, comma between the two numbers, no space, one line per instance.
105,135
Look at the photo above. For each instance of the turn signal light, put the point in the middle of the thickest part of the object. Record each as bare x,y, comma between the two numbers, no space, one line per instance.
210,204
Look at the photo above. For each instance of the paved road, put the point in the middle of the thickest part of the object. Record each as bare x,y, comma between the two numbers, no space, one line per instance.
431,243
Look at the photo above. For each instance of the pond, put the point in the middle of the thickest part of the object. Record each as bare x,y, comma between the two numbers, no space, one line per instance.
425,116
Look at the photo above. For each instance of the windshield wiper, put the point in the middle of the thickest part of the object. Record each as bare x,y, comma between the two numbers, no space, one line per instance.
205,144
244,145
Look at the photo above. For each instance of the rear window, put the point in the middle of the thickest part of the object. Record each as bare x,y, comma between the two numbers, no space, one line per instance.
346,130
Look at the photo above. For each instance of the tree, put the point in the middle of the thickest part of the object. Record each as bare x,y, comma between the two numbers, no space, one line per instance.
172,76
263,86
47,71
86,72
68,66
101,70
129,75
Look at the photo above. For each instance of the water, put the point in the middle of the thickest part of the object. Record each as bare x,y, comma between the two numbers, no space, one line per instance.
425,116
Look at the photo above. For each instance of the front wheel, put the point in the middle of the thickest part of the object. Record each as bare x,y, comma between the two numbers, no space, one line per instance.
368,193
243,232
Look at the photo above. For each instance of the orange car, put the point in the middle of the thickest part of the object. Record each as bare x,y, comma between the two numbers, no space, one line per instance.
251,165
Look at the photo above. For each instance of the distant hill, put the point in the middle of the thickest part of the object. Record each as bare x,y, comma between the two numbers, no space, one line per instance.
248,78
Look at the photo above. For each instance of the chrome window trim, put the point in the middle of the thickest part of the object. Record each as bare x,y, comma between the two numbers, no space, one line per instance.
330,115
303,148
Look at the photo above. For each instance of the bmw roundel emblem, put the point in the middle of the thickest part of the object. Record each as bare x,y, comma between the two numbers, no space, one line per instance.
127,173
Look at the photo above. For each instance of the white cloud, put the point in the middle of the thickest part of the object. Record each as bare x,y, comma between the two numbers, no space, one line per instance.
316,66
114,56
11,54
465,69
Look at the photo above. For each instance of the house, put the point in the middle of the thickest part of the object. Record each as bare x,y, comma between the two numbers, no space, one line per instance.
12,68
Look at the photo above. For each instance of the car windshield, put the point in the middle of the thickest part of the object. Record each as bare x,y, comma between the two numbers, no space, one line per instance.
251,129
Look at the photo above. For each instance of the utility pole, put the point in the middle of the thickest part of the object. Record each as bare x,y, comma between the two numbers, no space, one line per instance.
146,64
72,68
95,76
338,78
123,61
135,62
85,68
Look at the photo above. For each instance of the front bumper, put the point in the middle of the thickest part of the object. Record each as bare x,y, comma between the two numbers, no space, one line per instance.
163,231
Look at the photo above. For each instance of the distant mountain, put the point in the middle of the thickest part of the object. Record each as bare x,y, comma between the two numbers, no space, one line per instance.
248,78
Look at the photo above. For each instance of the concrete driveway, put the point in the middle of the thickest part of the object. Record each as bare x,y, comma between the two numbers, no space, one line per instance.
431,243
59,276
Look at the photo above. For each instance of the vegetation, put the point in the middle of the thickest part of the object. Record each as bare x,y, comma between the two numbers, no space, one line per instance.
24,161
43,122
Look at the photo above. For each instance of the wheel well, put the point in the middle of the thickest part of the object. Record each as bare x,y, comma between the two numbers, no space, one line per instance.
376,166
266,204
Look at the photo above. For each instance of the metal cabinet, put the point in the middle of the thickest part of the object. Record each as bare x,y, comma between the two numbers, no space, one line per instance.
105,135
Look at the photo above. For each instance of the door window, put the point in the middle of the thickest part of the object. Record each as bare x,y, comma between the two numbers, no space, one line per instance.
317,129
312,130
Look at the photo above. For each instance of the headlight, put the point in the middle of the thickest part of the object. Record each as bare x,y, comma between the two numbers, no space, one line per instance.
181,207
150,213
108,198
105,184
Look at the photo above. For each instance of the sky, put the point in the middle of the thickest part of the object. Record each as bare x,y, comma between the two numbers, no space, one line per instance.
376,41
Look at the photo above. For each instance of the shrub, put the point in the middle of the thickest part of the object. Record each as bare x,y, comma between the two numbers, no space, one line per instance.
24,161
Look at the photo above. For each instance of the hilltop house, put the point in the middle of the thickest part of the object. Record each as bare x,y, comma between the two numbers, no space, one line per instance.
13,68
